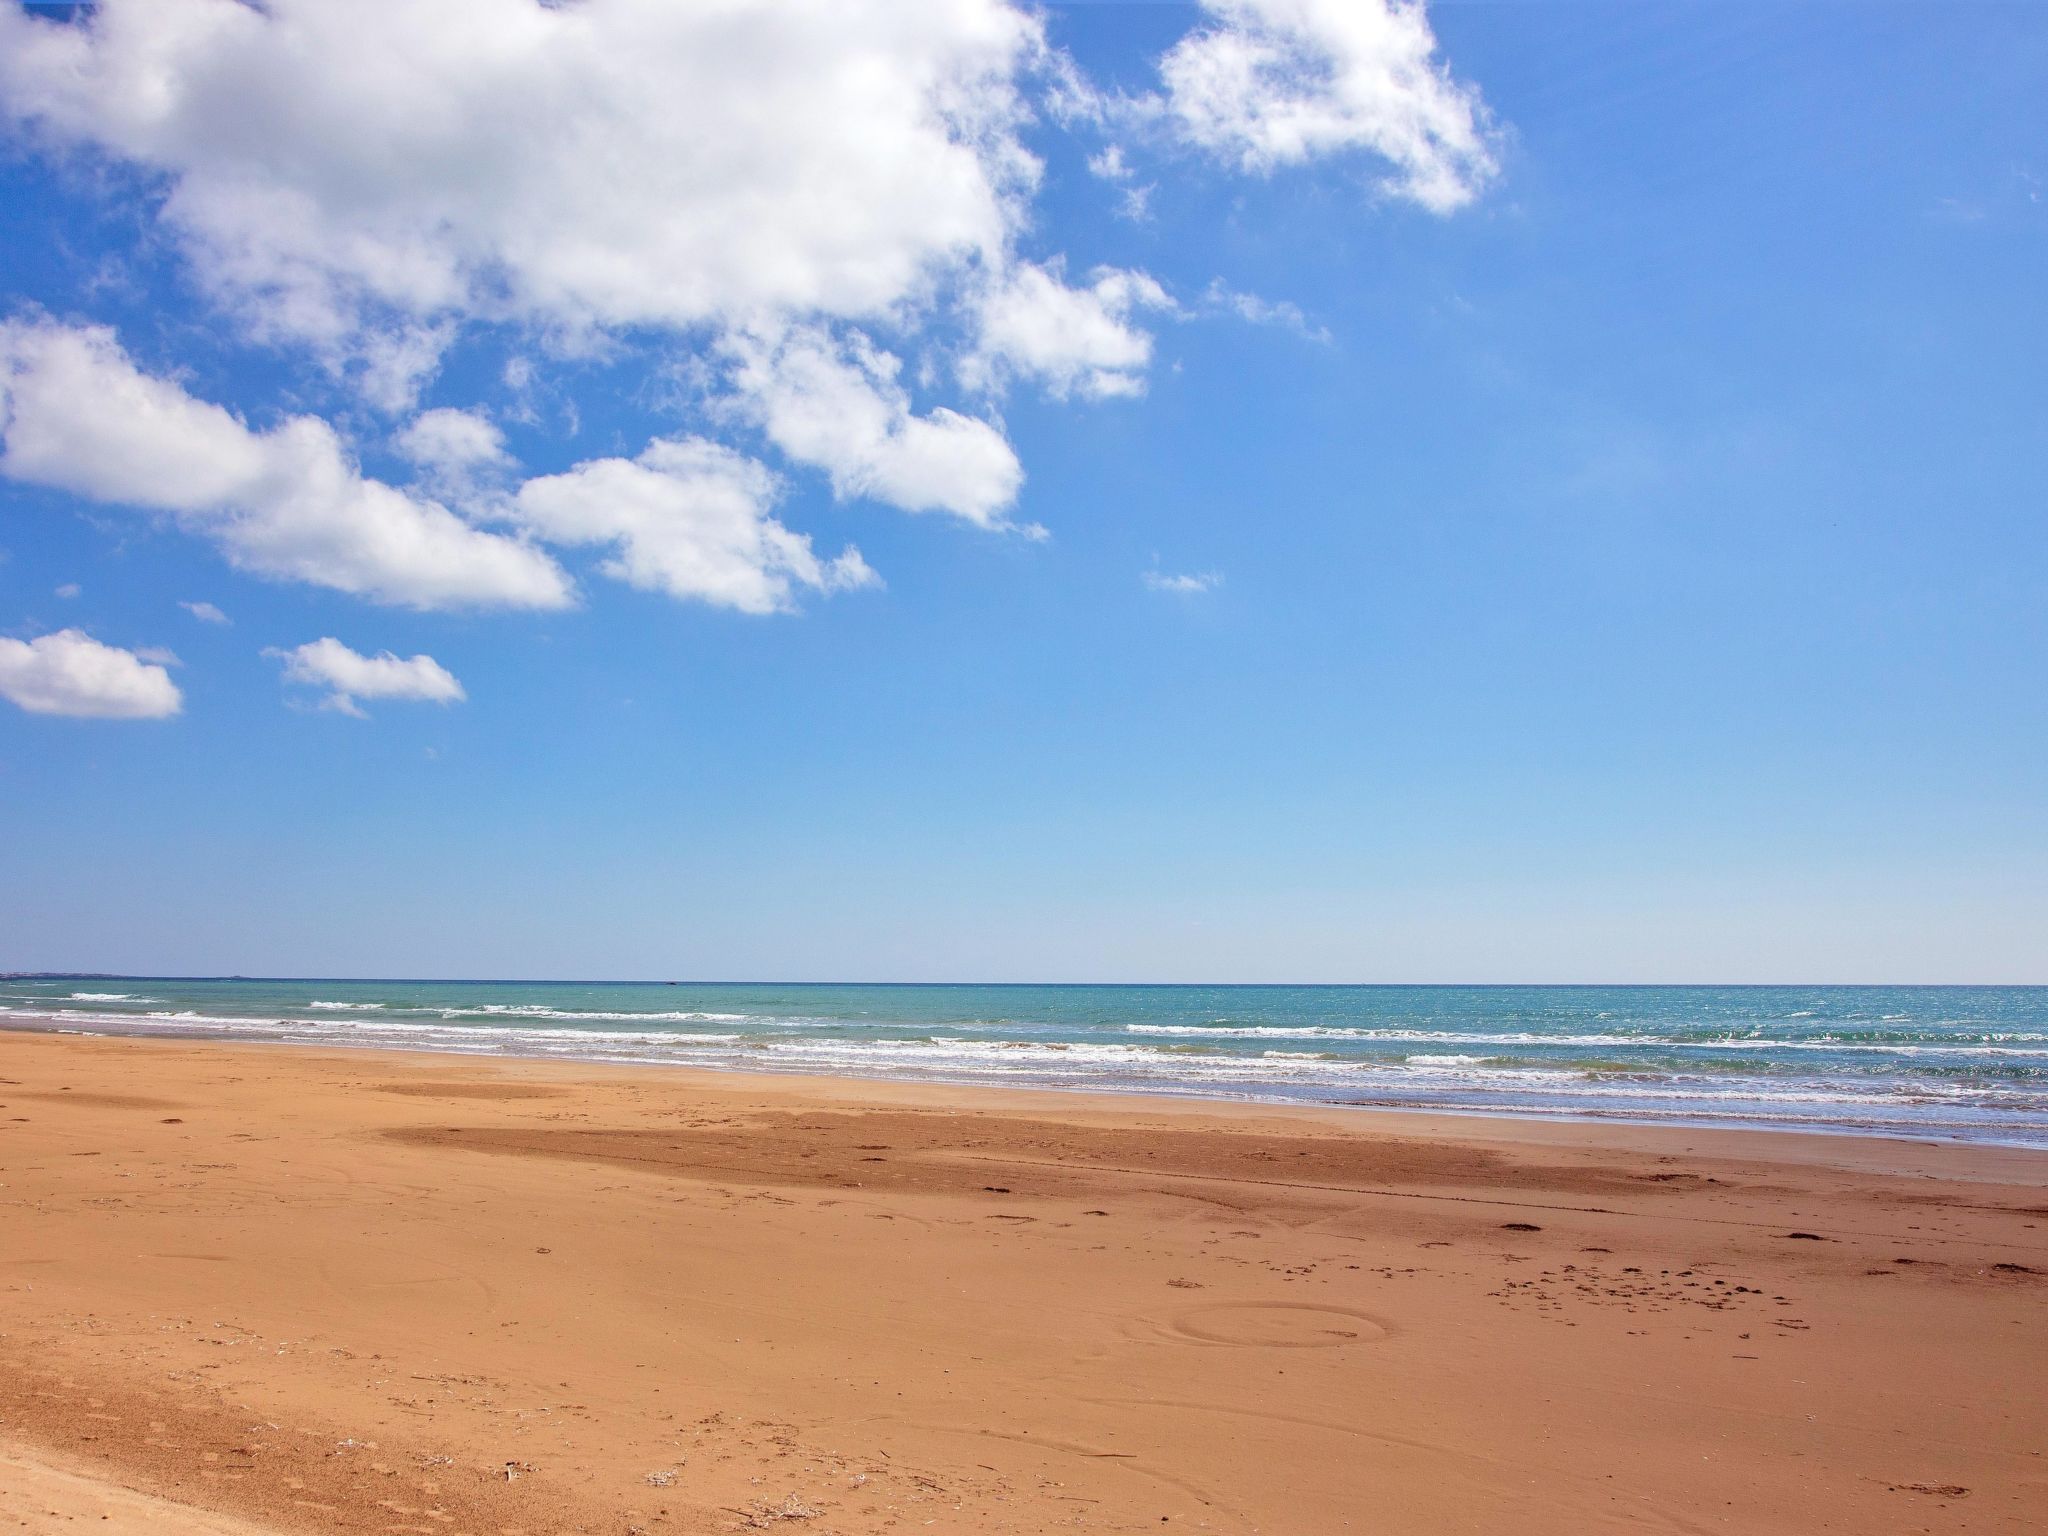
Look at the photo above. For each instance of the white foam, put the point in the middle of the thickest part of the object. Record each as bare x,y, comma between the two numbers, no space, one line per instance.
1398,1036
1393,1036
1896,1085
540,1011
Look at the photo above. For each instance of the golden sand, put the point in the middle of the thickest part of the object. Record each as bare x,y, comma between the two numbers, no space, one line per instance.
249,1288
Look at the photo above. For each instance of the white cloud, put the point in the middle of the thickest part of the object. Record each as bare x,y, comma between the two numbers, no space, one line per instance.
447,439
1072,340
1253,310
688,518
1109,164
838,406
755,189
70,673
69,590
349,675
395,363
206,613
289,503
1190,584
460,454
1281,82
359,170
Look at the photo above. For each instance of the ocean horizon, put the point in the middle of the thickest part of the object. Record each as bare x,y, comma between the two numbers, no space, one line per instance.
1966,1063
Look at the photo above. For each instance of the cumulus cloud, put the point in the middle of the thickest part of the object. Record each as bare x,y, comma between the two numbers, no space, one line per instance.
77,414
206,613
367,168
349,675
1189,584
1273,83
70,673
689,518
837,405
754,191
1071,340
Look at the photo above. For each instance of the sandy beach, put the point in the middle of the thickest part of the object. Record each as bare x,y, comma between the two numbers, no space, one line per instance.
249,1289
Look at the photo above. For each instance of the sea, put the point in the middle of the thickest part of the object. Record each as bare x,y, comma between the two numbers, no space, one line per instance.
1965,1063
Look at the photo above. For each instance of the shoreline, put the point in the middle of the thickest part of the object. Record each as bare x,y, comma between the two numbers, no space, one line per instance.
1774,1142
307,1289
168,1030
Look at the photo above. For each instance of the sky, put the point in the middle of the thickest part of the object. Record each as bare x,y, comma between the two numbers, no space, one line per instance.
1272,490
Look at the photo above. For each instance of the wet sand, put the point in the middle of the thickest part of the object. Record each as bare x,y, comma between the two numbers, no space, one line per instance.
267,1289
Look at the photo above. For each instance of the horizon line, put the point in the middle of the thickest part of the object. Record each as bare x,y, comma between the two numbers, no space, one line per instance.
627,981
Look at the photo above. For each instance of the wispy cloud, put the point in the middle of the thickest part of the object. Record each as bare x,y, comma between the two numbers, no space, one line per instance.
1184,584
1253,310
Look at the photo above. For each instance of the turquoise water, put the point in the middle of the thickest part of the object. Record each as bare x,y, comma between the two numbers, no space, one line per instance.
1967,1062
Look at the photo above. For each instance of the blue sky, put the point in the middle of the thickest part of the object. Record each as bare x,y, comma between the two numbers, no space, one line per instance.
1616,538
